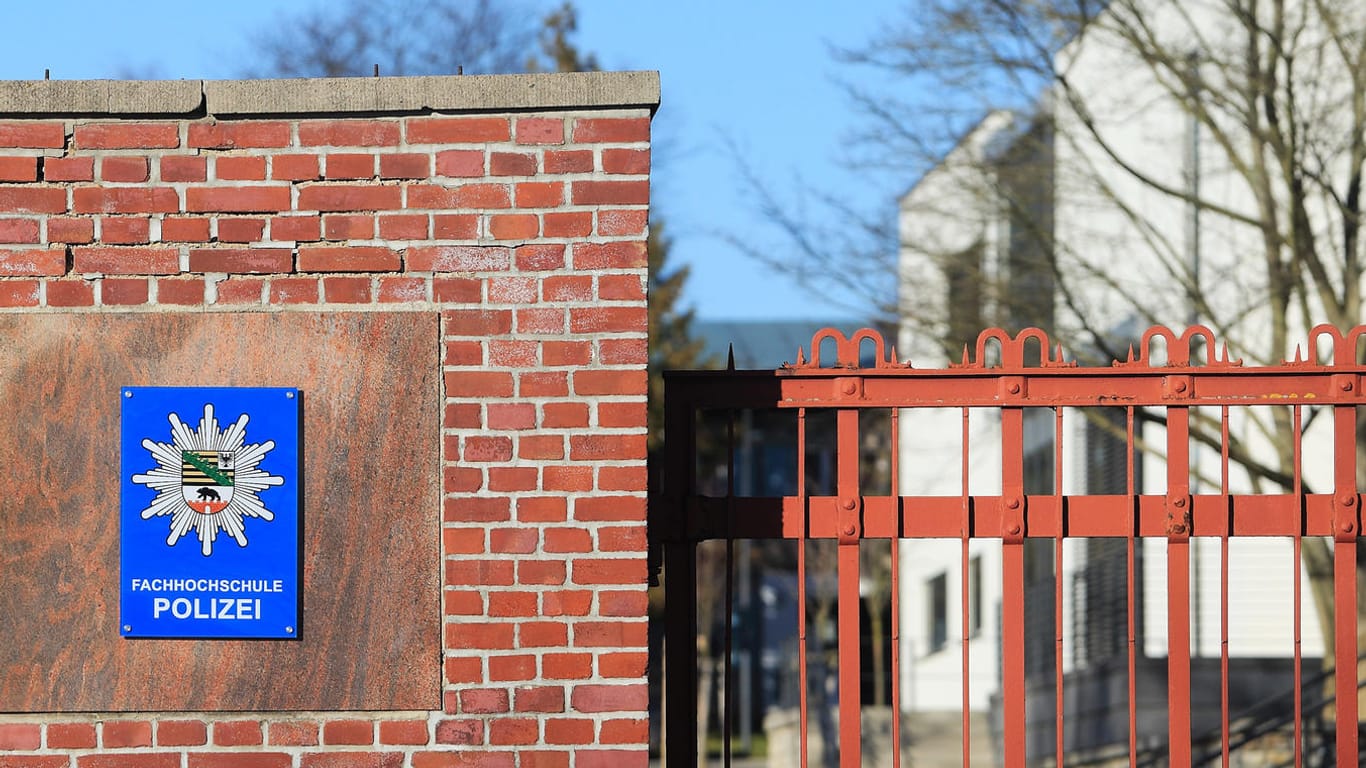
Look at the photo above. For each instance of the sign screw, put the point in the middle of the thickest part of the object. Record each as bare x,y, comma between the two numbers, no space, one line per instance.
289,395
127,393
290,630
127,628
1014,529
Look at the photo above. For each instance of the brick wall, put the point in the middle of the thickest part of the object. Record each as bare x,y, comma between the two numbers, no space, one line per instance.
516,208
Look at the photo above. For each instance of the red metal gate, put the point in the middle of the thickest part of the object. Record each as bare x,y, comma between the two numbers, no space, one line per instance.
1001,379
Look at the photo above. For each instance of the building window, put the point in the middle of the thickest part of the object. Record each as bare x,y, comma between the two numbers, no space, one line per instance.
975,596
938,600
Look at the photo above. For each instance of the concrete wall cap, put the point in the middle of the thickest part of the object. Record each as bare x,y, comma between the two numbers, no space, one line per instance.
332,96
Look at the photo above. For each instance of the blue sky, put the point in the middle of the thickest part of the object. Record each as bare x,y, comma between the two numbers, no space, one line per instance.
756,76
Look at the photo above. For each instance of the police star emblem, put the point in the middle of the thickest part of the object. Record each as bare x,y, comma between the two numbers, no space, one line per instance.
208,480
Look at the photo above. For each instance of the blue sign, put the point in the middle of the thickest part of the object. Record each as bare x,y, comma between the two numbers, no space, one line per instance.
209,512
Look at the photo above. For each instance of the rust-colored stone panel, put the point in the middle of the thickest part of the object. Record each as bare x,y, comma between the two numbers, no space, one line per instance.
371,573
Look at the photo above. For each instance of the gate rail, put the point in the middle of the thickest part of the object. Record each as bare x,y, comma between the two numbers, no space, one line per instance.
680,517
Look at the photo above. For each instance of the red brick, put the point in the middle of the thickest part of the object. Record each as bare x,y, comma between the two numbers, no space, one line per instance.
613,634
612,758
539,130
609,192
184,168
512,164
71,736
511,415
349,197
511,354
621,288
349,166
258,199
241,290
404,226
609,509
463,760
294,167
19,293
483,701
127,135
625,665
478,510
176,733
514,541
496,573
596,320
513,731
18,169
543,758
568,540
405,166
564,415
460,163
189,229
483,448
354,258
538,257
125,261
543,384
480,322
125,200
634,731
459,258
125,230
626,603
297,228
346,290
242,260
18,230
455,226
182,292
540,571
609,698
568,479
541,321
626,570
293,733
249,168
125,291
612,447
539,194
348,226
566,223
70,230
403,732
609,382
402,289
33,200
466,732
463,415
626,161
469,669
237,733
563,730
458,130
622,415
542,509
458,289
616,255
31,134
462,603
117,734
619,222
126,169
351,759
512,668
623,478
241,230
542,634
566,666
68,169
348,133
116,760
521,226
464,353
567,602
604,130
18,736
294,290
569,288
464,541
239,760
568,161
512,479
543,698
237,135
351,732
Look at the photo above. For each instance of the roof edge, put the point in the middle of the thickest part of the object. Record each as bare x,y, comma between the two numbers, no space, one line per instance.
331,96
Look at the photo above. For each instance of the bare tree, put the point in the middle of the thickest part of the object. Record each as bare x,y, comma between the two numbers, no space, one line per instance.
351,38
1168,161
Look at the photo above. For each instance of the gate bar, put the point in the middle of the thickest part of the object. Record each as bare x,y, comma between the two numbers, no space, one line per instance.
850,632
1178,586
1013,579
